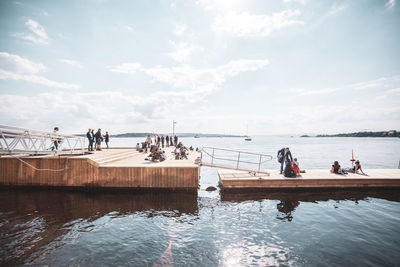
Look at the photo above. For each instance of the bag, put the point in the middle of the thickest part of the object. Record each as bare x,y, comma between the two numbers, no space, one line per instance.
280,155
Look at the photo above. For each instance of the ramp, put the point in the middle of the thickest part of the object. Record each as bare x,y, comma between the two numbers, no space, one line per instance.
15,140
253,163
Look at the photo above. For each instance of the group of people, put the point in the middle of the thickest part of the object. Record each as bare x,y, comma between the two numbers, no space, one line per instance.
157,152
355,169
292,168
97,138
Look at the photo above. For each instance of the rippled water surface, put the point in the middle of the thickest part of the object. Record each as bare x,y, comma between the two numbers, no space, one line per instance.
327,228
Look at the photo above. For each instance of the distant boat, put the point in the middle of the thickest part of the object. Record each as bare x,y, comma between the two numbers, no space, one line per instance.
247,137
196,136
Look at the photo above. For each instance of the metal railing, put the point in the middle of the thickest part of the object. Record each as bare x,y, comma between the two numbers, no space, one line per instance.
15,140
237,160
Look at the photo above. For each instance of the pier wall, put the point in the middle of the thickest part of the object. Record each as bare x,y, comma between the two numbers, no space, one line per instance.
84,172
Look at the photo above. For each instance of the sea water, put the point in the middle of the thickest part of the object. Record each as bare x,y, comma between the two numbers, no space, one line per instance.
327,228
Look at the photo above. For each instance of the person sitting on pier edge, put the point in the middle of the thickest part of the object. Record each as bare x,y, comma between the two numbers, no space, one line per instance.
167,140
289,172
99,139
107,138
336,168
284,155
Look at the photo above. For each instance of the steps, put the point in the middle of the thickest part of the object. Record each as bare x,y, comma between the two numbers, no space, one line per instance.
115,157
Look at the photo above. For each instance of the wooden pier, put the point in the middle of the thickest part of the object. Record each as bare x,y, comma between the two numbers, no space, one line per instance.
313,179
110,168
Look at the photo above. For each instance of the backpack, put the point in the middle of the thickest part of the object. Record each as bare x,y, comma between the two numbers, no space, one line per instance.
280,155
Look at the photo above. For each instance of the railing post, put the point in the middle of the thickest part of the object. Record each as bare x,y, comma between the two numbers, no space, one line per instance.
237,166
212,158
259,163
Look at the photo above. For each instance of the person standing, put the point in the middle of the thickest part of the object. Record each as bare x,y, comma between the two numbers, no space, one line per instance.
98,138
162,141
56,141
176,140
148,140
107,138
167,139
287,158
90,137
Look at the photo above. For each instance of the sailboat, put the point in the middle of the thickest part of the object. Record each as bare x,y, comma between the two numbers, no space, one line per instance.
247,137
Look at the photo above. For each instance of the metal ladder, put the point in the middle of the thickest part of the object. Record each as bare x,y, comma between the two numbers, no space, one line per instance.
234,160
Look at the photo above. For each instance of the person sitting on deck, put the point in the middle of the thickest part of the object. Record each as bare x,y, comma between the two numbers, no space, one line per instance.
183,152
336,168
296,167
289,172
356,168
163,156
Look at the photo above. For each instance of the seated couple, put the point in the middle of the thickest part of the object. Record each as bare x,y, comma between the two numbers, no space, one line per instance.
338,170
180,151
292,169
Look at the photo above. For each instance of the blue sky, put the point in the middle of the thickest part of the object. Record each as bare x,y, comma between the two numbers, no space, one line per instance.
280,67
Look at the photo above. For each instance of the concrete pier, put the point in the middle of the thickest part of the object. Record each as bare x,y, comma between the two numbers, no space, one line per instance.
110,168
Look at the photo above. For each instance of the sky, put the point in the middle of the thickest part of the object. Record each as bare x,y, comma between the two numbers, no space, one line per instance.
213,66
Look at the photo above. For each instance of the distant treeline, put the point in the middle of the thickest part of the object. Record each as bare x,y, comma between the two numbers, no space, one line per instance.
391,133
177,134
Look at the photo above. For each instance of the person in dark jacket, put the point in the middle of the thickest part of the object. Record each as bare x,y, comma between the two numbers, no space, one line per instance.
162,141
167,140
176,140
289,172
287,157
90,137
107,138
99,139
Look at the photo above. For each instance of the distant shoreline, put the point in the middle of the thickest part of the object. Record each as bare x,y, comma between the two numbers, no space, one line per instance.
391,133
177,134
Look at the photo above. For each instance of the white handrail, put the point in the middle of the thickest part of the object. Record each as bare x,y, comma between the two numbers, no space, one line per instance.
14,140
237,162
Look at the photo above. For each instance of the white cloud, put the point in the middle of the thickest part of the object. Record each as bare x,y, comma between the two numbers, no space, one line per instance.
14,67
126,68
37,35
393,91
301,91
71,62
380,83
204,79
128,28
303,2
19,64
390,3
6,75
180,29
245,24
182,51
337,8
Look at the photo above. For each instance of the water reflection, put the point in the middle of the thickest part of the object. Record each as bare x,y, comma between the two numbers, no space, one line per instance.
33,219
289,201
